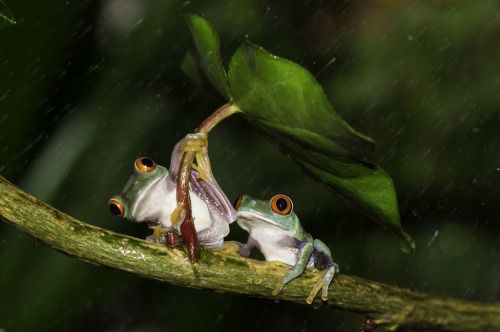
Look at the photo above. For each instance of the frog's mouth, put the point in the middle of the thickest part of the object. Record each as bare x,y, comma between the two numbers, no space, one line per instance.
252,217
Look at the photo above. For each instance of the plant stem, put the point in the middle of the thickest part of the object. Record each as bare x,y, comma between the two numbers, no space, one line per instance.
383,304
184,200
220,114
183,197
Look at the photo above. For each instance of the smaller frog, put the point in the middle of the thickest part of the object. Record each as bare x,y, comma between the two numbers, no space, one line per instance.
150,196
276,231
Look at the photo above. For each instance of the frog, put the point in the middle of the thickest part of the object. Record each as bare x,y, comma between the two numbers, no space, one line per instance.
150,196
276,231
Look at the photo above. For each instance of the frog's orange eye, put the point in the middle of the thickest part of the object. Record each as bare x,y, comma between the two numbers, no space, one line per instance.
116,208
237,203
281,204
145,164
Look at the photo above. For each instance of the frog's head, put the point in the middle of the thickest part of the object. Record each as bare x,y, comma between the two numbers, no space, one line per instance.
137,190
277,211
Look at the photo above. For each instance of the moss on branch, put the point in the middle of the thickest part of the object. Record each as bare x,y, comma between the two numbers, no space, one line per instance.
383,304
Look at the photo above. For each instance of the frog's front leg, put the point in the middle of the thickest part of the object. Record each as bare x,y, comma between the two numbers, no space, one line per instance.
322,259
305,252
245,249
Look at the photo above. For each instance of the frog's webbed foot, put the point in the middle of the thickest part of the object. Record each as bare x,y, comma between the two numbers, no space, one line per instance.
198,143
191,143
203,167
235,248
229,248
325,278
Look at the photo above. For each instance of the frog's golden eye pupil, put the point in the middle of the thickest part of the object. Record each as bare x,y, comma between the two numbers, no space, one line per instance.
145,164
281,204
237,203
116,208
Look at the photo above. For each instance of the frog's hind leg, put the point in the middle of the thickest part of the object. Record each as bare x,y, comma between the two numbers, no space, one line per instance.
305,252
323,261
203,181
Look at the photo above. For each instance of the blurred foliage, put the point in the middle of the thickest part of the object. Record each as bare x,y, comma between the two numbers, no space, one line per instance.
6,17
86,87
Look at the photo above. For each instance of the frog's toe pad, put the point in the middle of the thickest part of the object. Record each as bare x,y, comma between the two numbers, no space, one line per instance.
277,290
158,235
193,142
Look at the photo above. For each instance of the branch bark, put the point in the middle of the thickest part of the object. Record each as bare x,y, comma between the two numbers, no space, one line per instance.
383,304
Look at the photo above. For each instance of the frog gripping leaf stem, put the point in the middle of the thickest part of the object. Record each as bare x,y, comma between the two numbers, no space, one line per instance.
150,196
276,231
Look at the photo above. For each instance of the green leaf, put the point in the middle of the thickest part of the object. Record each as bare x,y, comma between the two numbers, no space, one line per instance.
285,102
204,63
6,17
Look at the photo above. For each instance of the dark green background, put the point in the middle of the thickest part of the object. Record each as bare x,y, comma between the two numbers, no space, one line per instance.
88,86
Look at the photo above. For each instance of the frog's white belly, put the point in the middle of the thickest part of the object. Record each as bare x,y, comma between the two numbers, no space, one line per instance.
273,242
159,201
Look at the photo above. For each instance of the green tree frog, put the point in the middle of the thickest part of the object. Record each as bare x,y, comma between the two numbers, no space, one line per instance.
276,231
150,196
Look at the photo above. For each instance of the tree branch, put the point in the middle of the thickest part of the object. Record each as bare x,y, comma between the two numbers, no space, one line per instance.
383,304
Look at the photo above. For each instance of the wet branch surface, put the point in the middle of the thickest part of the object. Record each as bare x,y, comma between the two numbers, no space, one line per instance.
383,304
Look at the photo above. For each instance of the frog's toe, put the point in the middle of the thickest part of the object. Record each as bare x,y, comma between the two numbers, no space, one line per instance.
177,216
324,293
278,289
315,290
281,283
193,142
319,285
159,235
325,278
